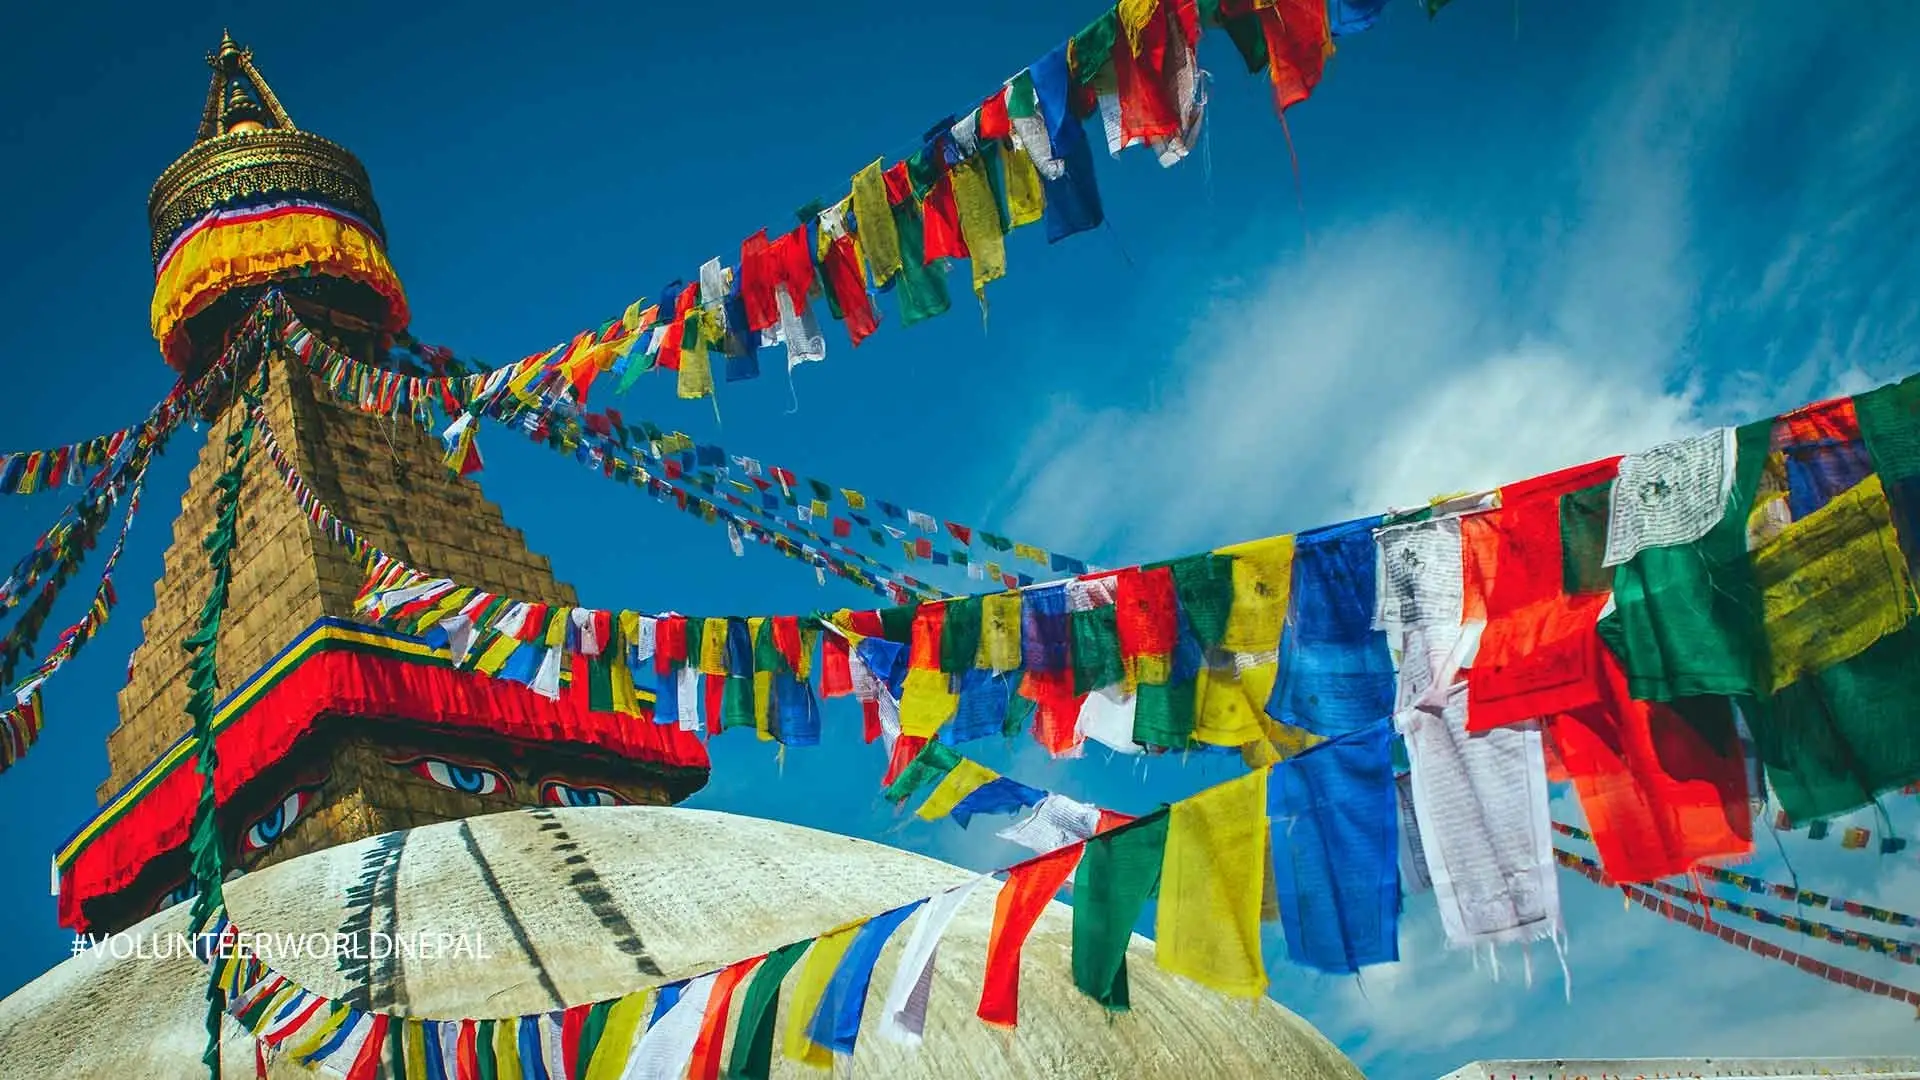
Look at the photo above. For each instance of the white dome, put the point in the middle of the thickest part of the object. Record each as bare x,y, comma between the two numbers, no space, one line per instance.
584,904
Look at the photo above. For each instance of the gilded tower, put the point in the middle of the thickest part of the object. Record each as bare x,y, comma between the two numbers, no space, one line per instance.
330,732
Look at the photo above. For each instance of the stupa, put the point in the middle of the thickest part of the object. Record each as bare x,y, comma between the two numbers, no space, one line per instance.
333,732
366,787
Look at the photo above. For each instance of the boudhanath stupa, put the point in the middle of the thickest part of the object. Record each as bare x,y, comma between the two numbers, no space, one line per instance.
367,787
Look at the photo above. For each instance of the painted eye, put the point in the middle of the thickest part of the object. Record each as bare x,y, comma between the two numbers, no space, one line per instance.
555,793
454,776
273,824
180,894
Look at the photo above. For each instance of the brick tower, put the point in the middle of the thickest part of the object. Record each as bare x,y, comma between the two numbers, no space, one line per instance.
329,731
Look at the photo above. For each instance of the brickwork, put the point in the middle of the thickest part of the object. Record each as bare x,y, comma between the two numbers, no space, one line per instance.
382,476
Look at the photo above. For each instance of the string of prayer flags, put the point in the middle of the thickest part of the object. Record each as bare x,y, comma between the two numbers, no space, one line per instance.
1791,894
1853,838
1696,921
1901,951
24,472
752,1057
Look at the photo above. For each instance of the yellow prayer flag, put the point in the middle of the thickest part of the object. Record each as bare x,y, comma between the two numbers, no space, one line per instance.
1833,583
961,781
318,1036
927,702
999,630
713,647
1223,715
1026,198
626,698
1133,18
557,622
414,1035
874,219
980,223
1262,583
821,961
1212,879
506,1049
1029,553
809,645
855,500
696,374
624,1023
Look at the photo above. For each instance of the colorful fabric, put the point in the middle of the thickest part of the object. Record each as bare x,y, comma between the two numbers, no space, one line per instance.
1481,803
1336,674
1663,787
1688,620
1000,628
963,780
837,1025
665,1051
1298,44
921,288
705,1060
1671,495
1118,873
244,247
752,1057
1212,881
1833,583
873,217
1030,886
903,1016
1002,796
1335,852
1835,739
804,1003
1538,652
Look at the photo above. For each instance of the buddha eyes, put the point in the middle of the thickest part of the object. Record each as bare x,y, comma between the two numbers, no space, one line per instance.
555,793
455,776
180,894
273,824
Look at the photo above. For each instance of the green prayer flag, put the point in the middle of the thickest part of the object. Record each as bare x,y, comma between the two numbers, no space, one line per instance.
1204,584
1096,649
1583,539
1836,738
600,683
996,162
752,1057
934,761
1019,715
896,623
1244,31
1688,619
1021,99
1890,425
592,1030
922,292
960,635
1163,715
1118,873
766,657
1093,47
736,702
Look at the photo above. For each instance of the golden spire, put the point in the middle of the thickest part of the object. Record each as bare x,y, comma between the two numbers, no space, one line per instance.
238,94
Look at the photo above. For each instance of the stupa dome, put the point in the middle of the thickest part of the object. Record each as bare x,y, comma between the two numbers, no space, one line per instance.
577,905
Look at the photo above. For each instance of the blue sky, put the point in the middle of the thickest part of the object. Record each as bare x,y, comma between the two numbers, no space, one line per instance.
1532,234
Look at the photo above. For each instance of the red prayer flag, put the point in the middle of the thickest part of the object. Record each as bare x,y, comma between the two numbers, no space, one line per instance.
1539,653
899,184
994,121
1661,792
705,1064
1297,46
848,283
905,749
572,1022
1834,420
929,622
836,667
466,1052
1147,612
669,643
1147,107
1030,887
943,239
